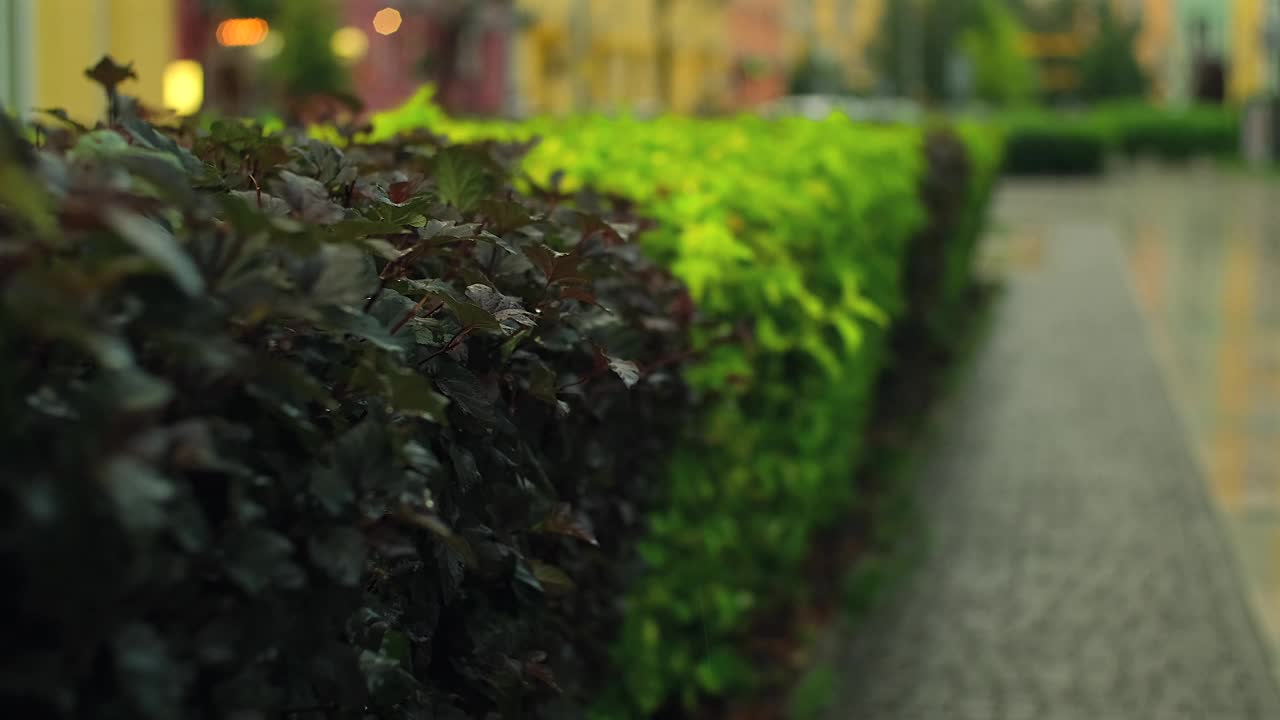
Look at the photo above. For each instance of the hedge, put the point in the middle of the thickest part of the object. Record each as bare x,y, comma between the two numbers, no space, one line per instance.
1144,131
795,239
295,432
1045,143
410,429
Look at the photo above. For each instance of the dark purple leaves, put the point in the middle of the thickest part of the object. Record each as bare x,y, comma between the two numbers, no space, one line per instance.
308,431
308,199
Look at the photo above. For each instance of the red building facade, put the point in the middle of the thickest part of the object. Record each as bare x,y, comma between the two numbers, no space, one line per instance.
756,32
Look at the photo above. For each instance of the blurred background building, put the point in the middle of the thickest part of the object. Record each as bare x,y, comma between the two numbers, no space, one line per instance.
521,57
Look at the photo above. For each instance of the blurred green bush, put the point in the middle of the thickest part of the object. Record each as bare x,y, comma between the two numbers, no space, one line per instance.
796,240
1045,143
1140,130
1041,143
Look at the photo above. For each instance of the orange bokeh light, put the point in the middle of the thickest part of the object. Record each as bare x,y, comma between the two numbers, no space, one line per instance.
387,21
242,32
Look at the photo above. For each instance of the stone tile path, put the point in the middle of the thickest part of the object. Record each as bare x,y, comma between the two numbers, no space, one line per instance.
1078,569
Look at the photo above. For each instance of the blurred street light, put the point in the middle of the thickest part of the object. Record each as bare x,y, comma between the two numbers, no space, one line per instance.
350,44
242,32
387,21
183,86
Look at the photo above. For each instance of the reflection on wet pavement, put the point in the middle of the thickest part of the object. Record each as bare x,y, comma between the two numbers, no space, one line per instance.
1204,262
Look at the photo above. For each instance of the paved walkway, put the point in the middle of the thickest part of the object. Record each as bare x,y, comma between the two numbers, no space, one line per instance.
1077,570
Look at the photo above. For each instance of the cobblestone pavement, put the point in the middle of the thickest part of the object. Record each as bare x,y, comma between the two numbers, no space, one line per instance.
1077,569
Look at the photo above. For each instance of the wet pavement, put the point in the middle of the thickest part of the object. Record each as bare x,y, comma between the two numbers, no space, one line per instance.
1204,258
1103,494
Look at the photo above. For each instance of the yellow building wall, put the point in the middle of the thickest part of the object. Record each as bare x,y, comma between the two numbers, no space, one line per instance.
144,32
72,35
1155,43
615,67
545,62
701,63
1248,56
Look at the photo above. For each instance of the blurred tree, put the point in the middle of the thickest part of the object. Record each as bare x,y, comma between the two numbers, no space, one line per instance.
307,66
1003,75
817,73
1109,67
918,40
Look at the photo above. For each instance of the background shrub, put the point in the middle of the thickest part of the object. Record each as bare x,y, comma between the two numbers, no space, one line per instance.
1175,135
1044,143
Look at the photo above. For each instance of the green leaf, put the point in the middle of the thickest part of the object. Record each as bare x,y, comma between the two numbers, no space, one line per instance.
562,520
147,672
131,390
159,245
444,230
473,316
396,645
331,489
552,579
258,559
460,176
542,383
146,135
340,553
140,493
387,682
366,327
503,216
348,276
412,394
506,310
25,198
308,198
464,389
62,115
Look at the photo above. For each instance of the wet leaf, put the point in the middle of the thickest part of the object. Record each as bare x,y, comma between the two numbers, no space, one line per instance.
462,387
140,493
258,559
308,198
624,369
157,243
552,579
564,521
340,553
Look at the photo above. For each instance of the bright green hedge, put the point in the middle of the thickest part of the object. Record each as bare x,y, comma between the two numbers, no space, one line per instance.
793,238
